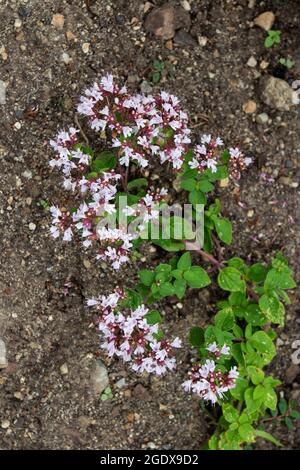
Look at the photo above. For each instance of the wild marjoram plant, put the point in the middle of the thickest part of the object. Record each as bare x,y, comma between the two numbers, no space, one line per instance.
138,132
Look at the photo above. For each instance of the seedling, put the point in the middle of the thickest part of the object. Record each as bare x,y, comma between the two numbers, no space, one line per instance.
288,63
273,37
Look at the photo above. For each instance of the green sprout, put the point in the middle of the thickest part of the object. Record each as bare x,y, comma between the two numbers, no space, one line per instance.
107,394
274,37
288,63
160,69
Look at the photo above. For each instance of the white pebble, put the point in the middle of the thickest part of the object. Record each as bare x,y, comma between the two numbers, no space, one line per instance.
5,424
86,47
18,23
32,226
64,369
185,4
252,62
66,58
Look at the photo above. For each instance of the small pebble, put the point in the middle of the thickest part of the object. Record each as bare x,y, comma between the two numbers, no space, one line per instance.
27,174
87,263
58,21
264,65
202,40
250,107
5,424
121,383
86,47
70,36
252,62
32,226
66,58
265,20
185,5
18,23
64,369
262,118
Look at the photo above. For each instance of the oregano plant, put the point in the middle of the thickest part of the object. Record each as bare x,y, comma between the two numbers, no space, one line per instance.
109,191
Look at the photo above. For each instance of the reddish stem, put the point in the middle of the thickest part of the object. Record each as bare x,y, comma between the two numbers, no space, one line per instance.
211,259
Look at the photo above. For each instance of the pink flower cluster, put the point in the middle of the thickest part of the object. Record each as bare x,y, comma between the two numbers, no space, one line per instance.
139,126
207,381
141,129
97,196
238,162
128,335
208,156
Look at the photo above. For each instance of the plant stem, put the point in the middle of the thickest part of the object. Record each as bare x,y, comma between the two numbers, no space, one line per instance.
126,179
81,130
211,259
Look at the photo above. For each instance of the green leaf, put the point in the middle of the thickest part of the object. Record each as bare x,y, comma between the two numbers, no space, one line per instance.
256,374
268,437
270,399
283,406
252,405
163,267
166,289
225,319
189,184
254,316
223,229
240,388
247,432
137,184
177,273
158,64
289,423
153,317
270,382
133,299
147,277
213,443
259,392
261,341
272,308
257,272
196,337
237,263
170,245
179,287
205,186
161,276
196,277
197,197
279,279
295,414
156,77
268,42
105,161
221,173
238,299
230,279
184,262
230,413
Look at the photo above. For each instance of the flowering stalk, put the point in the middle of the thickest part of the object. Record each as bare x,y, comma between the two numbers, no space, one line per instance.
132,334
208,381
